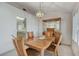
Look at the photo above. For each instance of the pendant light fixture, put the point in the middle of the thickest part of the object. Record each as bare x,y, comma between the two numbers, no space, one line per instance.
39,13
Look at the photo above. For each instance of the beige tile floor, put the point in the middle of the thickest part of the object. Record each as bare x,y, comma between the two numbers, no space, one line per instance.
64,50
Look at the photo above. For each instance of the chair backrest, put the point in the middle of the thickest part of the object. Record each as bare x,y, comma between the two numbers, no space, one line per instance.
47,34
30,35
59,41
43,33
51,30
19,45
60,38
57,36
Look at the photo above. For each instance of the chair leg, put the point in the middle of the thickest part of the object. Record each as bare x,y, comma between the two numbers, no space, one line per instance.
56,53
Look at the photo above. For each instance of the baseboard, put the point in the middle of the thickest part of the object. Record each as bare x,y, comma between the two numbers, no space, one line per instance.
75,48
65,44
6,52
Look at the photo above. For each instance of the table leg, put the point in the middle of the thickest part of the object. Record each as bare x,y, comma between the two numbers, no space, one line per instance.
42,53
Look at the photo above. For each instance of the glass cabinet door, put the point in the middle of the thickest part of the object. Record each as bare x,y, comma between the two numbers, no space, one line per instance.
52,24
21,26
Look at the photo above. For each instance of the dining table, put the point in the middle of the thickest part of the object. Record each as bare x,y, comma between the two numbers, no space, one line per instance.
40,44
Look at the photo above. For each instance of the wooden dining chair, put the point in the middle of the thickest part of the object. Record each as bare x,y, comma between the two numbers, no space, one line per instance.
43,33
30,36
22,50
51,30
48,34
54,47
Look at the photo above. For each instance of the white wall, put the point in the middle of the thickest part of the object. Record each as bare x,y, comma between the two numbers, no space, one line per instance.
66,25
8,15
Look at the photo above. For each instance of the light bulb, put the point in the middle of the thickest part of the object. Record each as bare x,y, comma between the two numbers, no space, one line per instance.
39,14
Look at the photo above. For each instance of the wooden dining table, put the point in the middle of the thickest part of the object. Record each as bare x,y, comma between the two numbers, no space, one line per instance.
40,44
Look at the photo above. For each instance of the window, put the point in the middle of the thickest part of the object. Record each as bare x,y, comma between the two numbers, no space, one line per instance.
76,28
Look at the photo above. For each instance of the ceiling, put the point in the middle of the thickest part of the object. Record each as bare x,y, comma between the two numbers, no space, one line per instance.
46,7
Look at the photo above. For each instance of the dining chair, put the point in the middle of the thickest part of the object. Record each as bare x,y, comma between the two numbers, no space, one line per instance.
51,30
48,34
30,36
54,47
23,50
57,35
43,33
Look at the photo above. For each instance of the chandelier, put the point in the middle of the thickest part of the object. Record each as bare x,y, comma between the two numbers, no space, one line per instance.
39,12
